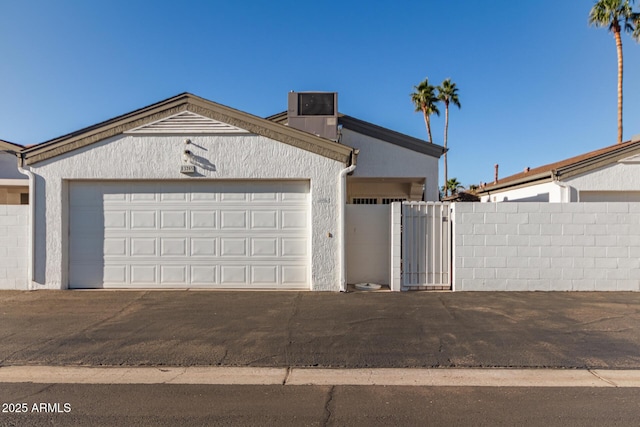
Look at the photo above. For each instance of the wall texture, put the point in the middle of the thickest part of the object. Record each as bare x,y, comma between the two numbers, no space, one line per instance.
546,246
14,246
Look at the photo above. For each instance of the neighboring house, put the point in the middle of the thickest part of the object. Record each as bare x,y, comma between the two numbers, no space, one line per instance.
611,174
14,186
187,193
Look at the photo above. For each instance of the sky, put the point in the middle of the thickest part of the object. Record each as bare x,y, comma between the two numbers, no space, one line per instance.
537,84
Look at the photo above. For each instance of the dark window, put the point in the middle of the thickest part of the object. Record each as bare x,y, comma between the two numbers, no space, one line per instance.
315,104
24,198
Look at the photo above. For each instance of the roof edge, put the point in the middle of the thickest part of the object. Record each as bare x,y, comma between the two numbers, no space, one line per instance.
10,146
375,131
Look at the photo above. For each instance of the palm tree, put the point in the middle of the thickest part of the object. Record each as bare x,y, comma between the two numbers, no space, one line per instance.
447,93
617,15
425,100
452,184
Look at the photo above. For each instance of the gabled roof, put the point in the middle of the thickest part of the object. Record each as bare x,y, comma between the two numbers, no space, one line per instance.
568,167
378,132
172,107
10,146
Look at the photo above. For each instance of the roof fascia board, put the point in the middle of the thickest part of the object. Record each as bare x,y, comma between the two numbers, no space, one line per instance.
10,146
379,132
180,103
391,136
527,181
597,162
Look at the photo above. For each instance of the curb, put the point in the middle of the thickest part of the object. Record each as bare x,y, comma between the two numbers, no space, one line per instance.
439,377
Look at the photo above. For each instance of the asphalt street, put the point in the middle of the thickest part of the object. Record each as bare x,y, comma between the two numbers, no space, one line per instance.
173,405
307,329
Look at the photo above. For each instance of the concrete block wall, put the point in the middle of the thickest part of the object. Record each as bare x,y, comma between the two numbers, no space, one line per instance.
546,246
14,246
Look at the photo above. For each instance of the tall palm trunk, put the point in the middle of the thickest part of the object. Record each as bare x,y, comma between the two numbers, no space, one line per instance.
446,130
427,122
616,33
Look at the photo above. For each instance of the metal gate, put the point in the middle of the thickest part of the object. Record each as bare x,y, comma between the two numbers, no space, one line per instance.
426,245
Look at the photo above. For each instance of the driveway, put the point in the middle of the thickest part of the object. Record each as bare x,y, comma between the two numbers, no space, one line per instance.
298,329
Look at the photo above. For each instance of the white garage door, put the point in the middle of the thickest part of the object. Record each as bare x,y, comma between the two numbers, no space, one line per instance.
185,235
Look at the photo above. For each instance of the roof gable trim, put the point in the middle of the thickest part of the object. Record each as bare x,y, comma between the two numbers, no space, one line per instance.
199,107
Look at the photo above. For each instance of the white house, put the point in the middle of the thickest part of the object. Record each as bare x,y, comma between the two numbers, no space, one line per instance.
187,193
611,174
14,186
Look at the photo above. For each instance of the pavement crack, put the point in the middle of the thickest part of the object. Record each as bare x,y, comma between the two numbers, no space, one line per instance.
327,404
294,313
595,374
35,393
287,375
448,310
180,372
224,356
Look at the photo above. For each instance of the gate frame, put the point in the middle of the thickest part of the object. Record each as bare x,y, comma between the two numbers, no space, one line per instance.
399,250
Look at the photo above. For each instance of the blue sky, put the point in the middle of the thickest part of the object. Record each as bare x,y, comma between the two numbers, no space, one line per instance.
537,84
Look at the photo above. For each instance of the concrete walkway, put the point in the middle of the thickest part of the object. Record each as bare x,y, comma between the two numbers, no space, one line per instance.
356,330
314,376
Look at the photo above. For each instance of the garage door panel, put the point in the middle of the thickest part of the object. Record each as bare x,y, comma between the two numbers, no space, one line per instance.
114,220
143,246
115,246
233,274
203,247
294,247
294,220
264,274
86,249
294,275
203,220
143,274
233,247
173,247
204,274
143,220
267,246
115,274
189,234
173,274
267,219
173,219
233,220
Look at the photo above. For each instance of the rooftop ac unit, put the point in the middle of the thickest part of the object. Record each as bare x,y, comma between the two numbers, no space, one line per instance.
314,112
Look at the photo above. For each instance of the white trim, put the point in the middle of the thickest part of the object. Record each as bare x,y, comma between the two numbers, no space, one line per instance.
15,182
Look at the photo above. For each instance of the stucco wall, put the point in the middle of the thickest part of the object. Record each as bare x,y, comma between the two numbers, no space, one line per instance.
546,192
616,177
131,157
14,246
9,167
379,159
546,246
